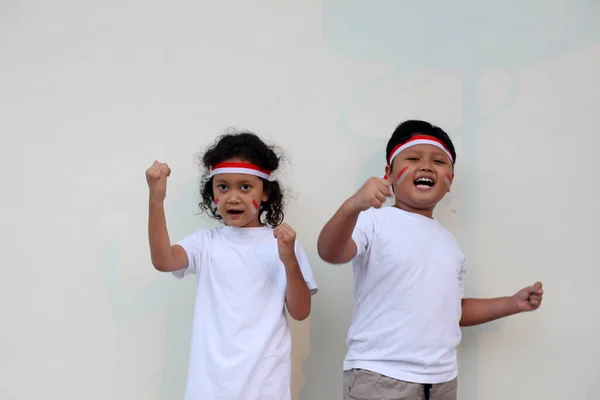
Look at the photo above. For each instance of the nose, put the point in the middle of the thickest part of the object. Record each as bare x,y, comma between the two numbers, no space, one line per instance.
234,198
426,166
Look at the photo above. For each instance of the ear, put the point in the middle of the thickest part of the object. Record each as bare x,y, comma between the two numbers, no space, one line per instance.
388,171
265,196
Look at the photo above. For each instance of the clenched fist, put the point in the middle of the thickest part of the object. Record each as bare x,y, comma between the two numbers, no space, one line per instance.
372,193
529,298
286,241
156,176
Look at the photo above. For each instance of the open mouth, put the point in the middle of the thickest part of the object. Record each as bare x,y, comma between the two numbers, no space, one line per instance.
424,183
234,212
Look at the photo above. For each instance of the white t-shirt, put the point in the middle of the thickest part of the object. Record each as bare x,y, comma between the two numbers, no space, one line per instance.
241,340
408,286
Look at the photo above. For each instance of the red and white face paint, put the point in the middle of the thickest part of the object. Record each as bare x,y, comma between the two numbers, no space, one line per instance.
401,175
447,180
255,206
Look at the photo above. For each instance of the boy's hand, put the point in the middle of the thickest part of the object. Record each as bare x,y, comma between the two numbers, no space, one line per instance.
286,240
156,176
372,193
529,298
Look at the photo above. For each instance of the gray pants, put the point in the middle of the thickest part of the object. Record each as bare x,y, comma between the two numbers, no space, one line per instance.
361,384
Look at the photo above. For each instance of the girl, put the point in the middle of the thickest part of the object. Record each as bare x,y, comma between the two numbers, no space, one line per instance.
245,272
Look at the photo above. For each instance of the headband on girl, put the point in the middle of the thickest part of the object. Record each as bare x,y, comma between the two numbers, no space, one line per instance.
239,168
420,139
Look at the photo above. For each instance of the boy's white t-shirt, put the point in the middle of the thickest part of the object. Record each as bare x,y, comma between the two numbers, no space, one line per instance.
408,286
241,341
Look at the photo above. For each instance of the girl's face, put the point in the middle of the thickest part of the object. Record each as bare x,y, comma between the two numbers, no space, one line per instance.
238,198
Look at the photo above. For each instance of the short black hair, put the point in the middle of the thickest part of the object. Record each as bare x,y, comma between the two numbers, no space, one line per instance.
410,128
248,147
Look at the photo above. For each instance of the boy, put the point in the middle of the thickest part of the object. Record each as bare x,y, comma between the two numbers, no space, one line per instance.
408,272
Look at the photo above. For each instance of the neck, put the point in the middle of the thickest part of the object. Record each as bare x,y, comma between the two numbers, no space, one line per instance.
422,211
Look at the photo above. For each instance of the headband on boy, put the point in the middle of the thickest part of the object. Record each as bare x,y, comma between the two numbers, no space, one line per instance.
415,140
239,168
420,139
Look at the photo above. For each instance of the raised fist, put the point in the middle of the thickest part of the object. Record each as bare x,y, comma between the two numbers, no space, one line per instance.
372,193
286,240
156,176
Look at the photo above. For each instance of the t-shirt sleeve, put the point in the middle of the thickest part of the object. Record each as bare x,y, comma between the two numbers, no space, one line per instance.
306,269
363,233
461,279
194,245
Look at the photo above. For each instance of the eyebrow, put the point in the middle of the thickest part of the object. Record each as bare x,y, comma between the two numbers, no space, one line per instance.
435,153
235,182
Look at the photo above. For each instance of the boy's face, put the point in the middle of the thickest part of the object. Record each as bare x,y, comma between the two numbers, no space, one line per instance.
421,176
238,198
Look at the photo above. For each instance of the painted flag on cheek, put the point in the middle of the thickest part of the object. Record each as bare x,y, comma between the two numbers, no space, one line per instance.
402,175
447,180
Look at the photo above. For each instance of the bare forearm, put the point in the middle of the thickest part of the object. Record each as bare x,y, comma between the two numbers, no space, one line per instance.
334,244
160,244
297,295
480,311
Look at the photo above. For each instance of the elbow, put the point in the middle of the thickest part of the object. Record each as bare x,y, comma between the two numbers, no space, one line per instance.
326,254
301,316
329,256
161,266
323,254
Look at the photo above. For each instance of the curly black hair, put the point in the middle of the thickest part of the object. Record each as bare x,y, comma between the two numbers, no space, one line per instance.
410,128
248,147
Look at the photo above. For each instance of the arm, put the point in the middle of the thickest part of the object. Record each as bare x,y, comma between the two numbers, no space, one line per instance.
480,311
335,244
297,295
164,257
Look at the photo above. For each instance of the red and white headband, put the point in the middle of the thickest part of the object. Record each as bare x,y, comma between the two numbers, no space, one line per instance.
420,139
239,168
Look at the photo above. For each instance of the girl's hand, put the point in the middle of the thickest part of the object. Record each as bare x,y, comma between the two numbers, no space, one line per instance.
156,176
286,240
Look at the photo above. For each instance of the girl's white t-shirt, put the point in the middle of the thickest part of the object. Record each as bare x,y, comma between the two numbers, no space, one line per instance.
241,344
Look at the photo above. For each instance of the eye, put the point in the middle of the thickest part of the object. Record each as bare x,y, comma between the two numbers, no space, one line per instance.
439,161
412,158
245,187
222,186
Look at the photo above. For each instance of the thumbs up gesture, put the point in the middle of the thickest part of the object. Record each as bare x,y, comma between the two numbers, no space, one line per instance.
372,193
156,176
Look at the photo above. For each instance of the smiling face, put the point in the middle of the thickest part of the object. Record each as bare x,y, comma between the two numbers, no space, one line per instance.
421,176
238,197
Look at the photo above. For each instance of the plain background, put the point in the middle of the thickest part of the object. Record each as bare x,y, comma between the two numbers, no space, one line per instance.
91,93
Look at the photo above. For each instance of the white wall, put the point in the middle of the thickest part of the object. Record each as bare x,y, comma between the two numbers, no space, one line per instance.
92,92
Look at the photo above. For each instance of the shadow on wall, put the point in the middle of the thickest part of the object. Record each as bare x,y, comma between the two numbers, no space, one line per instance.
465,37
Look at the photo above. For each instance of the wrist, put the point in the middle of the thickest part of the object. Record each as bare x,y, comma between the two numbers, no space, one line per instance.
350,208
513,305
290,261
156,202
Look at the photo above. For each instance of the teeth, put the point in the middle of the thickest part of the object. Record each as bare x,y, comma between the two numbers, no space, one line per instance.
425,180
